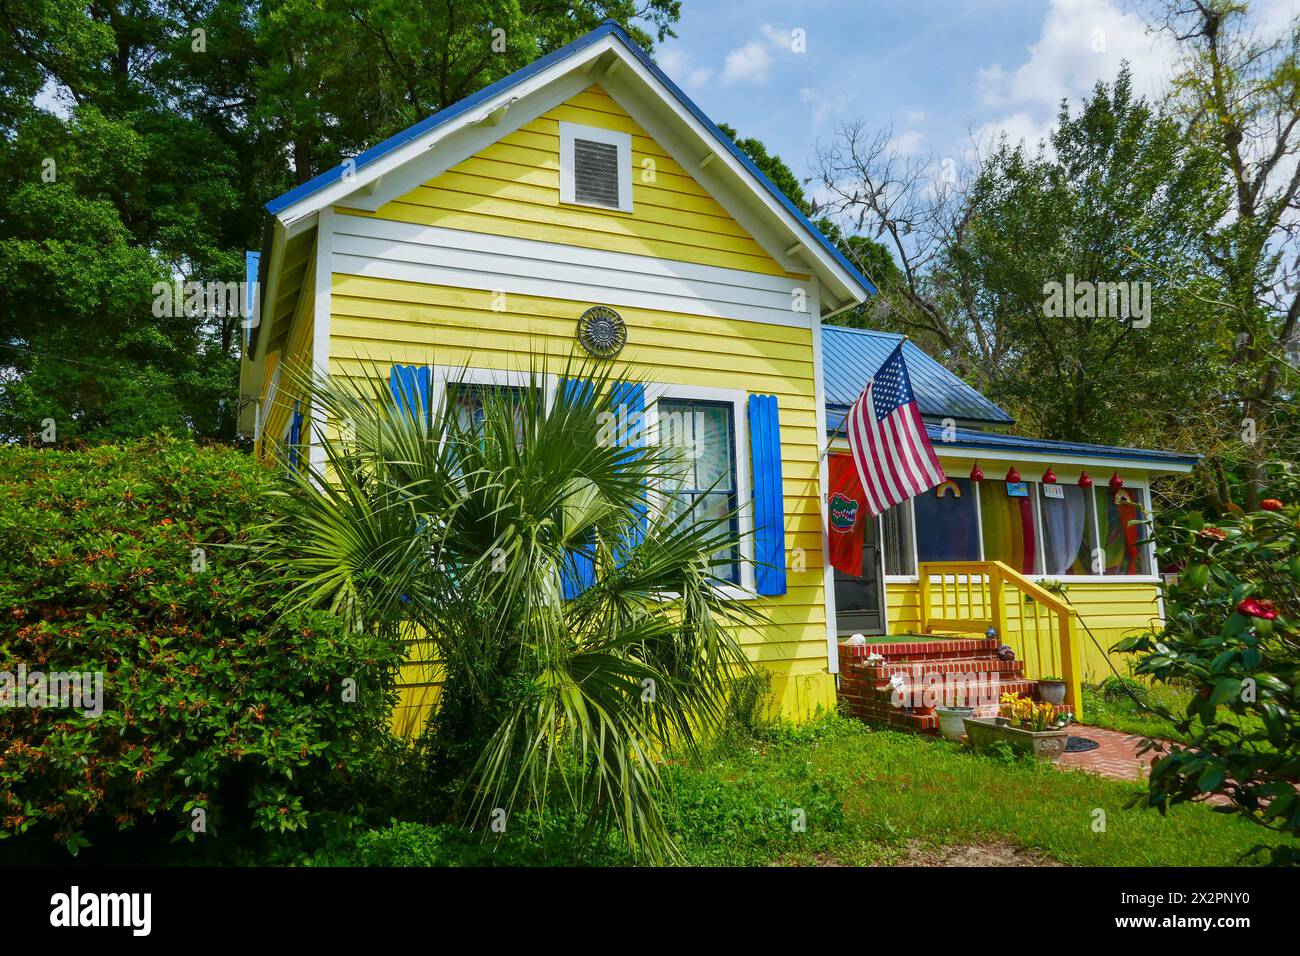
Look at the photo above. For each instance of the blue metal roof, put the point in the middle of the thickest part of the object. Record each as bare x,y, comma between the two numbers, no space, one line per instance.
851,356
608,28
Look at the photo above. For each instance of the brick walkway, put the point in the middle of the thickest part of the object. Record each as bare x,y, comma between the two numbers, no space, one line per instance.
1117,756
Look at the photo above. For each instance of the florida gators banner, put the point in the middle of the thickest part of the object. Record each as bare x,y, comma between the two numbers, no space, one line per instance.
845,513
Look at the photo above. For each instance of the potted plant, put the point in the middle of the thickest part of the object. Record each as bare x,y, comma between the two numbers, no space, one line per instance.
1027,726
952,716
1052,690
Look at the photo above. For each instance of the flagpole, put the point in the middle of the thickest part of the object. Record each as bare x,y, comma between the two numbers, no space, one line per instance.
839,429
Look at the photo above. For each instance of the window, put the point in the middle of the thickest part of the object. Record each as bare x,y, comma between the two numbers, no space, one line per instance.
1122,522
1010,525
897,523
595,167
469,402
1068,533
947,522
705,431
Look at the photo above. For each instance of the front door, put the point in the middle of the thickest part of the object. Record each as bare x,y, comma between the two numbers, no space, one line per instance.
858,600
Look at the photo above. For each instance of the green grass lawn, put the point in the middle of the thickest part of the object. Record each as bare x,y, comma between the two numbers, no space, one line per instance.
864,797
873,796
1108,706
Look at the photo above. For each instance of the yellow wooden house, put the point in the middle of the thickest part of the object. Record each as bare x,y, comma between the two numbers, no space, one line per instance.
589,180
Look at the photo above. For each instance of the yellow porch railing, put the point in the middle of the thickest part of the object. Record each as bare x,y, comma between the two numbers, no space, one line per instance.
969,597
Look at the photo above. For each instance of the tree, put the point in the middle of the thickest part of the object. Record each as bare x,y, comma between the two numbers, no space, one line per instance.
1122,199
142,139
461,532
1116,196
1238,94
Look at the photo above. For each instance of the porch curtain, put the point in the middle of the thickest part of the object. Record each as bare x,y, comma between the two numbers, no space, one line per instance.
1064,523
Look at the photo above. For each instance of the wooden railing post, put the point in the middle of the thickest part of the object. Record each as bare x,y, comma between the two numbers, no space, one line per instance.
923,579
1070,669
999,603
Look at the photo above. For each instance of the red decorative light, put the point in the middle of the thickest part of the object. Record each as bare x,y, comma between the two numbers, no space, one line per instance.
1116,481
975,473
1049,477
1085,480
1012,475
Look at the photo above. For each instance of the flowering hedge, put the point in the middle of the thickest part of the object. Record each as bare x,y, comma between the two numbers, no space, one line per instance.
1233,631
220,717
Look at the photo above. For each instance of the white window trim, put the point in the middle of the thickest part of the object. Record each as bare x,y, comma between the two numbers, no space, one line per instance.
443,375
623,141
737,398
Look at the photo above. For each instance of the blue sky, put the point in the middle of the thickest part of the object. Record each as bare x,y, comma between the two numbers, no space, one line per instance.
940,72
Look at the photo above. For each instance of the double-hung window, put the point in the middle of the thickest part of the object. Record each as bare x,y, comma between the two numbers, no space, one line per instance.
704,433
469,402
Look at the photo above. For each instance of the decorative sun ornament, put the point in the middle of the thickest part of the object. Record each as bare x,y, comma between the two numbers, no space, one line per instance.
602,331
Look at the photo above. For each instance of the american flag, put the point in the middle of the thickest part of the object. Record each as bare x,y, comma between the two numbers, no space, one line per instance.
887,437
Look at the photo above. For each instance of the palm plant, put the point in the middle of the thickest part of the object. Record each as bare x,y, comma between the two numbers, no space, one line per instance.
454,523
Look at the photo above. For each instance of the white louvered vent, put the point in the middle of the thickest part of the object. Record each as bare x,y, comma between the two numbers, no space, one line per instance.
595,173
595,167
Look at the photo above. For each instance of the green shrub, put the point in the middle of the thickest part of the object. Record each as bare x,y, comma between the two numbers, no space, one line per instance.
132,561
1232,635
1122,688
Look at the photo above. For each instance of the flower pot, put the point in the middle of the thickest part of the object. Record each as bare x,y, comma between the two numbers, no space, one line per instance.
984,732
950,721
1052,691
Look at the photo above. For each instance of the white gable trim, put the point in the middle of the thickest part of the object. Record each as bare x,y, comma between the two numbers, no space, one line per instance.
688,140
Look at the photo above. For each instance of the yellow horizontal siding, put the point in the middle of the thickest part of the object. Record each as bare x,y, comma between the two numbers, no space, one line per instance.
379,322
512,188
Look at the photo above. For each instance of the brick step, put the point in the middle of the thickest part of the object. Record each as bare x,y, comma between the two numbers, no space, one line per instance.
920,650
959,665
980,690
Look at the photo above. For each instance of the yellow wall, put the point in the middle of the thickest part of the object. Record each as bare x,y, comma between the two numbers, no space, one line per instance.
512,189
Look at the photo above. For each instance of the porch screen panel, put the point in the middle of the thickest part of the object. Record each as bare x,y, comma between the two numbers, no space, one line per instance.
1122,520
1067,531
1010,531
897,523
947,522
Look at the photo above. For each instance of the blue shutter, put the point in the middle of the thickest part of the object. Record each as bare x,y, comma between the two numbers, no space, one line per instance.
295,436
410,387
769,502
252,312
579,570
627,401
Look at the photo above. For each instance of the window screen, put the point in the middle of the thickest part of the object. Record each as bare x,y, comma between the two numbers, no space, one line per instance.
706,433
1010,527
947,522
1122,517
595,173
898,539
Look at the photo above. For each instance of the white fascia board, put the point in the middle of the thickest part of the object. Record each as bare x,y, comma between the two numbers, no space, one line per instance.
356,185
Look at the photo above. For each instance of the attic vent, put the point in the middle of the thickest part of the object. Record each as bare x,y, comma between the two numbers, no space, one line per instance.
595,167
595,173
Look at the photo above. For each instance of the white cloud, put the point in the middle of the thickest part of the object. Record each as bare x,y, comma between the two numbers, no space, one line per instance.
822,104
1082,42
908,143
747,64
682,71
